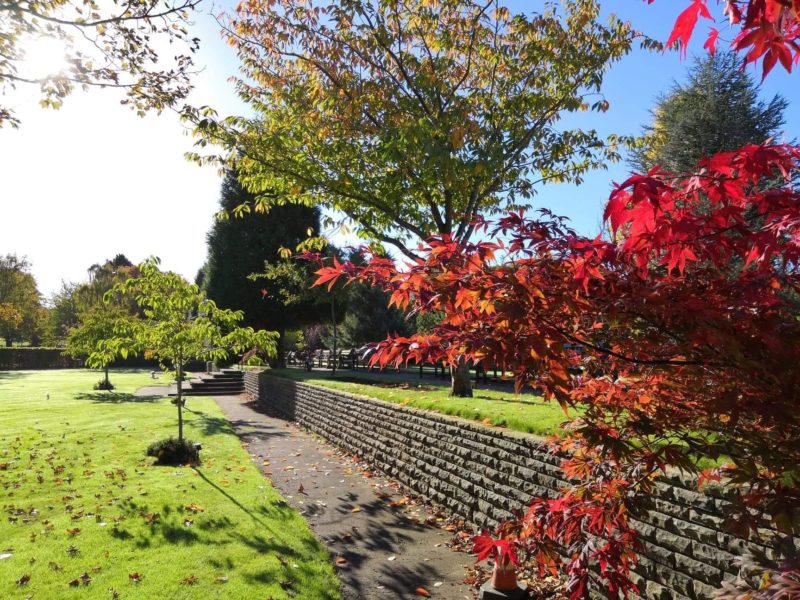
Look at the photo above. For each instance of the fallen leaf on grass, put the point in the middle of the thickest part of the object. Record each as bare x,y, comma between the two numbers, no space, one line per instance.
84,579
135,577
221,579
23,580
74,532
195,508
189,580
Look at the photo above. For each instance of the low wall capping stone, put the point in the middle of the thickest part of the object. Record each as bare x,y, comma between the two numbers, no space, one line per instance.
481,474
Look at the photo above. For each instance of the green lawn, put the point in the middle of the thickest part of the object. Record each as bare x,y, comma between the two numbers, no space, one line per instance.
527,412
85,515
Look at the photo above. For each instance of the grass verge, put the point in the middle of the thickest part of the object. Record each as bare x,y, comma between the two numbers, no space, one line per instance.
85,515
527,413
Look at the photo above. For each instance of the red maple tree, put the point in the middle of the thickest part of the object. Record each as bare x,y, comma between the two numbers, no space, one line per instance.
769,30
671,344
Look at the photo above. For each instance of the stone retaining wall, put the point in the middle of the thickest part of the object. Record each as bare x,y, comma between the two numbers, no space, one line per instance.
482,473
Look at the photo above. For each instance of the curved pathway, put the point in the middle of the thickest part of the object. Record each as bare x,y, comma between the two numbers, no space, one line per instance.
381,546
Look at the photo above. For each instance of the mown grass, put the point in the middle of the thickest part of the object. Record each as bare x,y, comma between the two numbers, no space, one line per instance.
527,413
85,515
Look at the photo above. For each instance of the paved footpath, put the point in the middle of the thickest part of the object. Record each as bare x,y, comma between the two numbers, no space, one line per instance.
382,547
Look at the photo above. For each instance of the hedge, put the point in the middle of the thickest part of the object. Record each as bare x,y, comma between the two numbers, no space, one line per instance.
15,359
36,358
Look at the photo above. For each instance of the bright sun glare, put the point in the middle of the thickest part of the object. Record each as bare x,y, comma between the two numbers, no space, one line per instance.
44,56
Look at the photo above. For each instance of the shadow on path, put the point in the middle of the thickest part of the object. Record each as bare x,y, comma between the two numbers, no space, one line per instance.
382,548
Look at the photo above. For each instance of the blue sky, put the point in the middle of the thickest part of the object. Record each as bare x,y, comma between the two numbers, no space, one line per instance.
91,180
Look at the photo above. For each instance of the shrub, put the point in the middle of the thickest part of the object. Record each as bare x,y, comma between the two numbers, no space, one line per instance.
173,451
103,385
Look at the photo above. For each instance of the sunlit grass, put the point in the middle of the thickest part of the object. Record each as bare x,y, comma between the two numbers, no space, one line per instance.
79,497
527,413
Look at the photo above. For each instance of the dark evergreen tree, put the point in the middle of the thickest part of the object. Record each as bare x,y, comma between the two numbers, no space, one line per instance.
717,109
241,246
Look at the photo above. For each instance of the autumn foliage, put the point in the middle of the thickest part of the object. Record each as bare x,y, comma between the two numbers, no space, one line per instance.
676,338
768,30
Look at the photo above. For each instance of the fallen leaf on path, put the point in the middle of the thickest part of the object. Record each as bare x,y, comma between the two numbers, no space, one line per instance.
356,509
391,558
341,560
421,591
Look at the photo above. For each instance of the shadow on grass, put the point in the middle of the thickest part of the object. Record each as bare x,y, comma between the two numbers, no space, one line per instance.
244,508
115,397
210,425
12,374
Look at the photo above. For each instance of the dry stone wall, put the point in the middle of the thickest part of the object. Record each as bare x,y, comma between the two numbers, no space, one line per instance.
482,474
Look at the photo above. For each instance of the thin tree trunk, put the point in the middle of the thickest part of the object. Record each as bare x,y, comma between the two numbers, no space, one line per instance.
333,318
180,403
460,384
281,350
108,387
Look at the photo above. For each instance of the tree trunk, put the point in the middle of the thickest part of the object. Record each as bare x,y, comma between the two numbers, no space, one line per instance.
9,341
460,384
180,403
280,359
108,387
333,318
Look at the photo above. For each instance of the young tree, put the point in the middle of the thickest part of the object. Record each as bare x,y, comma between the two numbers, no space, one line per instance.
681,356
179,324
107,44
90,339
694,120
412,118
239,247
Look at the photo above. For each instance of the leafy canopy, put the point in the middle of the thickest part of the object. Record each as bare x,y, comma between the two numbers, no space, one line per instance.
20,302
105,44
412,118
179,323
